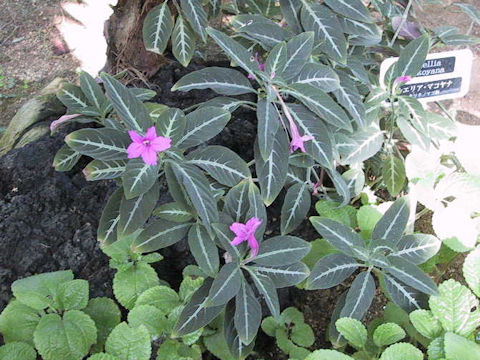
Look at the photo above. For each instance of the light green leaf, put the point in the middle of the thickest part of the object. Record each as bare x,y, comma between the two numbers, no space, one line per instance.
73,295
161,297
135,212
107,228
295,208
332,210
106,315
157,28
66,158
221,163
171,123
159,234
196,16
203,249
387,334
202,125
299,50
412,57
411,275
394,174
318,75
327,355
150,317
126,342
327,29
17,351
268,124
352,330
174,211
285,275
103,170
426,324
101,144
353,9
18,322
248,313
131,110
282,250
471,270
102,356
67,338
183,41
459,348
302,335
130,283
402,351
331,270
224,81
138,178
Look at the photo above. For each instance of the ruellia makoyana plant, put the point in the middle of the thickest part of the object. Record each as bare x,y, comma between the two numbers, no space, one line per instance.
327,126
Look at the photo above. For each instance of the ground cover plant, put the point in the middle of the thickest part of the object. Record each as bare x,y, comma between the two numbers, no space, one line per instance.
327,128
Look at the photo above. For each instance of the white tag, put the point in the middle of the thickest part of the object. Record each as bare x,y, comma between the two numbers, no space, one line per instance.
444,75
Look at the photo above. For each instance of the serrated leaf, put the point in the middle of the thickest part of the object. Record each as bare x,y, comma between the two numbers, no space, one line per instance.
198,189
203,124
266,288
327,355
331,270
203,249
401,351
138,178
426,324
126,341
471,271
338,235
417,248
352,330
299,50
392,224
17,351
196,314
295,208
130,283
106,315
135,212
248,314
453,307
66,158
183,41
327,29
221,163
302,335
412,57
394,174
353,9
268,124
131,110
162,297
107,228
102,356
282,250
321,104
332,210
436,348
67,338
104,170
272,172
73,295
196,16
150,317
318,75
285,275
411,275
157,28
226,285
101,144
171,123
159,234
387,334
234,50
18,322
403,295
459,348
224,81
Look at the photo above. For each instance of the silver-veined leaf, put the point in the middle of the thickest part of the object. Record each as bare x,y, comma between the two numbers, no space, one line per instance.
359,146
93,92
269,35
248,313
183,41
295,207
159,234
328,30
224,81
285,275
359,296
321,104
203,124
412,135
411,275
471,11
138,177
65,159
266,288
221,163
236,202
299,50
331,270
135,212
416,248
338,235
203,249
291,13
318,75
412,57
142,94
268,124
101,144
403,295
353,9
107,228
272,172
235,345
394,175
349,97
196,16
224,102
282,250
357,28
131,110
102,170
73,98
257,208
276,60
174,211
157,28
390,228
225,237
226,285
171,123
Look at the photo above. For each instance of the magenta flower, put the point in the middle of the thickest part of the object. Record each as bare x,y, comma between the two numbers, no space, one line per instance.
297,140
246,232
401,79
147,146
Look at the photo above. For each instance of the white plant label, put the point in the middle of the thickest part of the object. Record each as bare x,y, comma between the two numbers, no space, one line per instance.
444,75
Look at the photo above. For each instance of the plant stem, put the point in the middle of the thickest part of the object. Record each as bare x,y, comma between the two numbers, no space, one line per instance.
422,212
402,22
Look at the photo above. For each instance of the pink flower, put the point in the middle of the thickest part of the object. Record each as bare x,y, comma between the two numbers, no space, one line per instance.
297,140
251,76
261,66
246,232
61,120
147,146
401,79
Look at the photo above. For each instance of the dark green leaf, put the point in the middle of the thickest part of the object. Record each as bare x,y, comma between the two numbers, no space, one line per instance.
295,207
417,248
171,123
394,174
411,275
183,41
282,250
196,16
286,275
175,212
65,159
266,288
353,9
359,296
138,178
299,50
103,170
412,57
318,75
226,285
331,270
157,28
391,226
403,295
203,249
159,234
248,314
107,228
